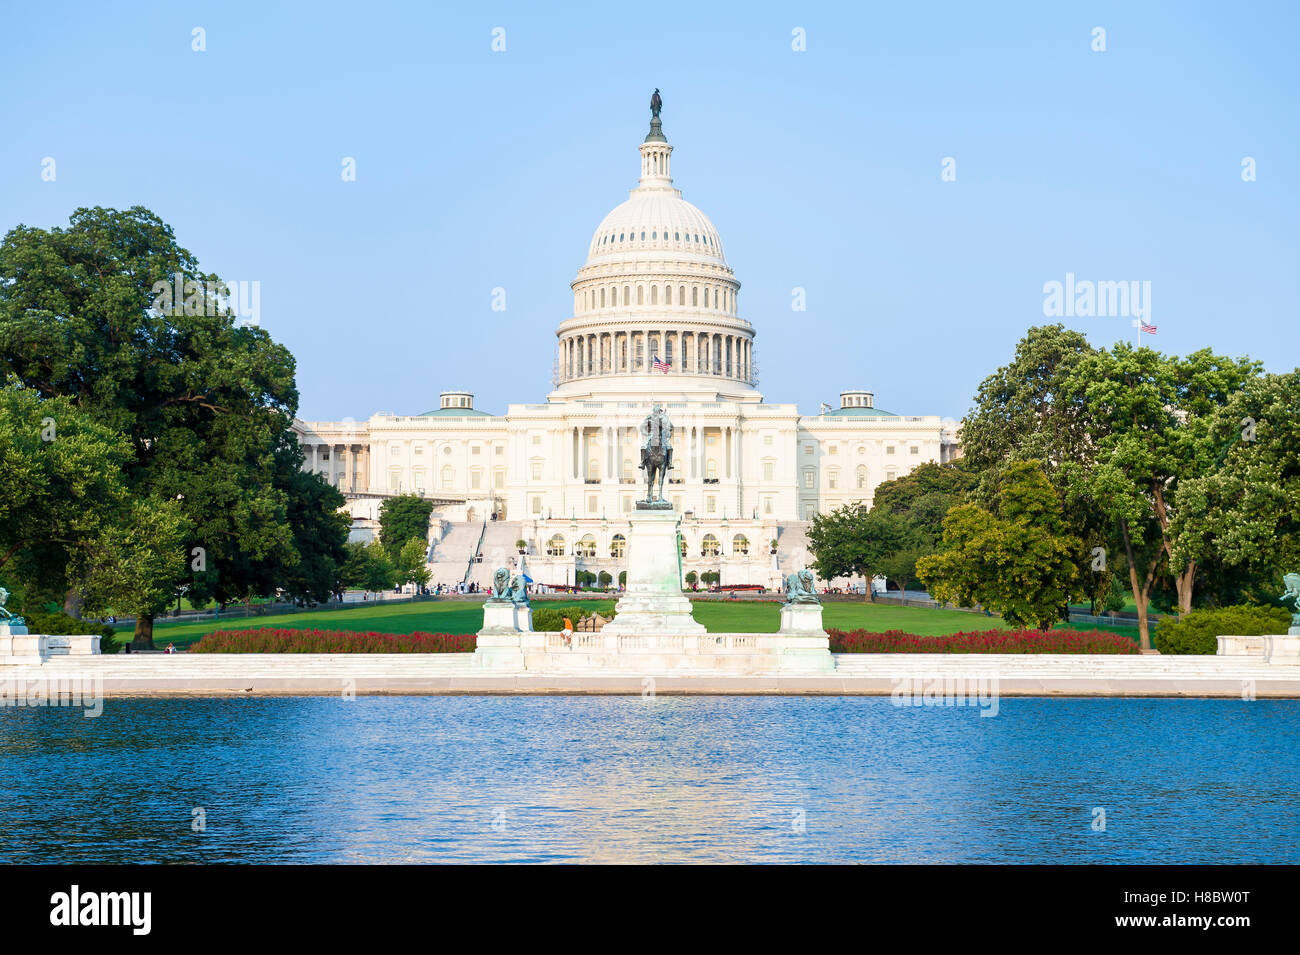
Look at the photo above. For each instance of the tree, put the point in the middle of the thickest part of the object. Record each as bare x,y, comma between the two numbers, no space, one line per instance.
410,566
61,491
692,578
1024,413
378,571
400,519
1153,435
1242,516
622,578
854,540
131,569
114,315
320,532
1019,561
923,497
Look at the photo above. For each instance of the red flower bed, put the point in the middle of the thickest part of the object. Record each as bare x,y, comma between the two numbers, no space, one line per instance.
983,641
269,640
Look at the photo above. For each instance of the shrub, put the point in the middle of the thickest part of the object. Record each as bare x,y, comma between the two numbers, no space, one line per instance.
1196,632
983,641
271,640
62,624
552,618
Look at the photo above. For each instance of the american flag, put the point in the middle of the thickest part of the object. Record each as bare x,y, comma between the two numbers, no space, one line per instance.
1142,324
661,365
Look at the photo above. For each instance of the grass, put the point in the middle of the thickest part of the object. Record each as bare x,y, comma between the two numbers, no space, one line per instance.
739,616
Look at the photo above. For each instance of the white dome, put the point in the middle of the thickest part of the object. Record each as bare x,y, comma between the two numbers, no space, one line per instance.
655,305
656,222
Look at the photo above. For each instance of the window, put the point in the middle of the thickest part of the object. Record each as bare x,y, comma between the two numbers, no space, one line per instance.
913,450
767,439
537,439
586,547
711,470
889,449
448,477
474,450
862,476
682,542
767,505
499,479
537,470
499,450
807,449
617,545
593,504
627,505
555,546
475,479
709,547
769,470
833,479
710,504
537,505
809,478
740,544
628,476
834,450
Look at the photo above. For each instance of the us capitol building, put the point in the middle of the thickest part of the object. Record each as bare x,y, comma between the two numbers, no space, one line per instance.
656,317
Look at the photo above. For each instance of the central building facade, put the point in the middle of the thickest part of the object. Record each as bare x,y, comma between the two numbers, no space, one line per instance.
656,318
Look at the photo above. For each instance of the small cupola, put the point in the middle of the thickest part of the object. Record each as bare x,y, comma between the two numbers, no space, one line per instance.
857,399
457,401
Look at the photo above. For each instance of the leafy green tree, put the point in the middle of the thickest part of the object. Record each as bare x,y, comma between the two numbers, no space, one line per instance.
1019,561
622,578
379,572
1153,435
411,567
692,578
1242,516
61,491
605,578
923,497
88,313
854,540
131,569
401,518
320,530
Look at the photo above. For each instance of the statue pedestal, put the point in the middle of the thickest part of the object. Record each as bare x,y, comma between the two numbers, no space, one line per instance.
802,619
653,602
1281,649
507,617
500,645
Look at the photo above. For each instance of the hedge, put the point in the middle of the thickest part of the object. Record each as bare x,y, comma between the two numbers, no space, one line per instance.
270,640
982,641
1197,632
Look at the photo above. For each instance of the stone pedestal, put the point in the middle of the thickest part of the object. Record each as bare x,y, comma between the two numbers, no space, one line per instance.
802,619
653,602
507,617
499,645
19,646
1283,649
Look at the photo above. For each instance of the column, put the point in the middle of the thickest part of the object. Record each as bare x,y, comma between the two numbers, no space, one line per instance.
727,452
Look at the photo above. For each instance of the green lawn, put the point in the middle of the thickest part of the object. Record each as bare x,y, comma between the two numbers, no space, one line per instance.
459,616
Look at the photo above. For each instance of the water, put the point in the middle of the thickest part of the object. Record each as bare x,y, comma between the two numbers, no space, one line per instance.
671,779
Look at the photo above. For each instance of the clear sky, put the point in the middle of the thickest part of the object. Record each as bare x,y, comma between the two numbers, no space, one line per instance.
821,169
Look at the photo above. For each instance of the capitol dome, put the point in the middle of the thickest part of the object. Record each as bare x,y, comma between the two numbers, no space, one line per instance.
655,304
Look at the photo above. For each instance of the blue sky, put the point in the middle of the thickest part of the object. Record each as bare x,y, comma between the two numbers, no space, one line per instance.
821,170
